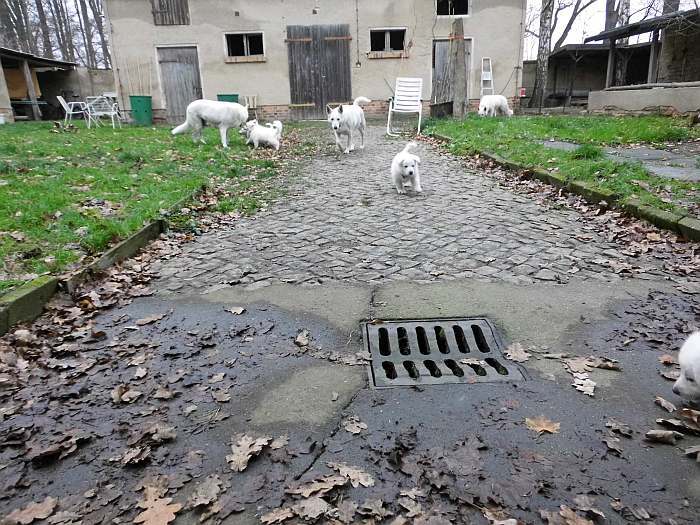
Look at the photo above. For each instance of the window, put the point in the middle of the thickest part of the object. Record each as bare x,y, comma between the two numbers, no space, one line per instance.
387,39
244,45
170,12
452,7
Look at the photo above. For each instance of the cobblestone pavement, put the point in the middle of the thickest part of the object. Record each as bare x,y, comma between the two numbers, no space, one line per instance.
343,221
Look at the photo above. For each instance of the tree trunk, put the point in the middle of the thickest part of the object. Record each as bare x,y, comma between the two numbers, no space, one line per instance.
610,14
67,29
30,42
58,31
44,26
8,37
86,29
97,16
543,50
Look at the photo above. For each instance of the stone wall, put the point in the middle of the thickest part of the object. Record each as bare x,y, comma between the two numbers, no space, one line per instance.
680,57
666,101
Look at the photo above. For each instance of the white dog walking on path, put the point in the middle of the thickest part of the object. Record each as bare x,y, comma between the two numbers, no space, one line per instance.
493,105
347,119
404,169
223,115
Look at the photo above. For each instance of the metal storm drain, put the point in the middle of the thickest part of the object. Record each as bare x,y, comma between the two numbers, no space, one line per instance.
436,351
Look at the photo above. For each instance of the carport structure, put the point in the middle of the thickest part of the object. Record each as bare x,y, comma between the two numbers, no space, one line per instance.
18,80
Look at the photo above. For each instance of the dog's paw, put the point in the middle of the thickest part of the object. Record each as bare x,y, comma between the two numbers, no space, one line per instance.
347,150
419,190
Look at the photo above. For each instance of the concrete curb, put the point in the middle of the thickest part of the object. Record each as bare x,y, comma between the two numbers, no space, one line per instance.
683,224
27,302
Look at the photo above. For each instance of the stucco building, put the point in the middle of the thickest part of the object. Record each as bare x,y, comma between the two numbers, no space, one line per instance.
295,56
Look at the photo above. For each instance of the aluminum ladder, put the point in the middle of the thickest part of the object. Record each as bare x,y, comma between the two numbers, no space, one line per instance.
486,77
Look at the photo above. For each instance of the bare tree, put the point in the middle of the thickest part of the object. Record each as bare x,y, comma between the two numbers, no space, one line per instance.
85,25
671,6
98,17
47,47
543,51
578,7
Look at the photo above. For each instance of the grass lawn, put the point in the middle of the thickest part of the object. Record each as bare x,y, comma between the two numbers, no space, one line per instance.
518,139
68,195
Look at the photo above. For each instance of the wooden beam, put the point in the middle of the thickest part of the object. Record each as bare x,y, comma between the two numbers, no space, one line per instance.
459,78
30,90
610,77
653,58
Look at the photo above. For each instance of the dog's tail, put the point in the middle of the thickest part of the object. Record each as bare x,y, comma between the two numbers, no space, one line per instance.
361,100
409,147
181,128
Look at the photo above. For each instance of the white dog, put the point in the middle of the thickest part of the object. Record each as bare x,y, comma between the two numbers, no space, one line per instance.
224,115
404,169
492,105
277,126
345,120
262,135
688,383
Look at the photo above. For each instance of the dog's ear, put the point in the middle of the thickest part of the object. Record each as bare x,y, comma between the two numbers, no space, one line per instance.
328,109
340,109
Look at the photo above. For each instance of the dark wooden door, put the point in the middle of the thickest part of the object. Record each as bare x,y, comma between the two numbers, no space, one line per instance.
319,68
179,73
442,75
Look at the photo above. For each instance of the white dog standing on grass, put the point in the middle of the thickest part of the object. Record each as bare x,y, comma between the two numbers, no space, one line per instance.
493,105
347,119
223,115
262,135
688,383
404,170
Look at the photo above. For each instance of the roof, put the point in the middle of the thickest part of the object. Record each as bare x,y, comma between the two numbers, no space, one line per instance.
6,52
588,49
646,26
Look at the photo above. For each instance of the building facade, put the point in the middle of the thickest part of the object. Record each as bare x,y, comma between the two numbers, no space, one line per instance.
292,57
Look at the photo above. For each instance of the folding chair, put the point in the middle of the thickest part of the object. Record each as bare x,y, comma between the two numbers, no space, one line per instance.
406,99
98,107
71,108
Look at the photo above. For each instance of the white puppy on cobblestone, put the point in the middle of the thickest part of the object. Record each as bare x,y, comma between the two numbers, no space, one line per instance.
404,170
688,383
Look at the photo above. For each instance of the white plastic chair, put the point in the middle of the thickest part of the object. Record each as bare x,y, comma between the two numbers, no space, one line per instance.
406,99
98,107
71,108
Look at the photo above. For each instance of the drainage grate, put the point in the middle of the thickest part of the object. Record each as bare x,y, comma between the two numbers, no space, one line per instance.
436,351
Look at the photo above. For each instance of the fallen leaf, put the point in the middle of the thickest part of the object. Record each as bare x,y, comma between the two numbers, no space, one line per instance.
279,442
158,510
302,339
586,504
693,451
668,360
244,449
356,475
319,486
374,508
235,310
136,455
311,508
149,320
205,493
140,373
32,512
666,405
277,516
516,352
345,512
671,375
613,445
669,437
584,385
413,507
217,378
354,425
571,518
541,424
222,396
163,393
619,428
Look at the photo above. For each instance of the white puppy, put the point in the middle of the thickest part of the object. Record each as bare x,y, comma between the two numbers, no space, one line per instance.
492,105
277,126
224,115
346,119
262,135
404,169
688,383
247,127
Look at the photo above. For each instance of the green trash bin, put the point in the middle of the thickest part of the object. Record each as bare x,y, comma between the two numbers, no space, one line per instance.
232,97
141,110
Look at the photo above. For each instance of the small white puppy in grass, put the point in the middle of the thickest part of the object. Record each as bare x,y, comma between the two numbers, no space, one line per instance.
688,383
404,170
223,115
493,105
347,119
262,135
277,126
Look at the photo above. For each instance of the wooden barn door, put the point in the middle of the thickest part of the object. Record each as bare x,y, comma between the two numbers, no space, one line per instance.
319,68
442,75
179,73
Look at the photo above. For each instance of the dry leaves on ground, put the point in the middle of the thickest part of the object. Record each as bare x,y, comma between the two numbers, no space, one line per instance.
32,512
302,339
666,405
319,486
206,492
157,510
354,425
516,352
244,448
541,424
150,319
668,437
235,310
356,475
277,516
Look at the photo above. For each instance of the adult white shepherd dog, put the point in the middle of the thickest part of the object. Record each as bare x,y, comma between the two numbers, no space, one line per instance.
223,115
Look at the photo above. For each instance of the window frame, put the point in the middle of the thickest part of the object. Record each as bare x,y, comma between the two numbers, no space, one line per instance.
154,11
402,53
469,11
233,59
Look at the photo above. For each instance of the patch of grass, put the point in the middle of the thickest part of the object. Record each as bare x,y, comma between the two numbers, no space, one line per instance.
588,152
521,140
67,195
